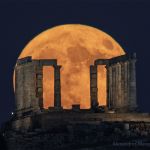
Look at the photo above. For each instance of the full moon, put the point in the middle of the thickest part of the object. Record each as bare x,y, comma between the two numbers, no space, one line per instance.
75,47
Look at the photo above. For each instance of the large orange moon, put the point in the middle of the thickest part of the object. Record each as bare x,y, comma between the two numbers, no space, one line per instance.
75,47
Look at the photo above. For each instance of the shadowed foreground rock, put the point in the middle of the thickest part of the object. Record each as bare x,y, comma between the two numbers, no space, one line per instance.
82,135
2,143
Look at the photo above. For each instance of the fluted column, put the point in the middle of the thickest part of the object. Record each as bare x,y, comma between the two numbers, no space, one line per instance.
19,88
110,88
117,103
128,83
93,87
132,84
126,104
113,86
119,83
107,86
122,84
57,87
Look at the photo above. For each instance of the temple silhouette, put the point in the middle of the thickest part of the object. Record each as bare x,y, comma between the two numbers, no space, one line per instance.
34,127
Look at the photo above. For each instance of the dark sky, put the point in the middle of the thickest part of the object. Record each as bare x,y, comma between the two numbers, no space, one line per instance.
128,21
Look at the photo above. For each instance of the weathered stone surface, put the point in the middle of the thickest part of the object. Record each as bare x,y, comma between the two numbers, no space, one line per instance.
93,86
29,84
57,87
121,83
78,136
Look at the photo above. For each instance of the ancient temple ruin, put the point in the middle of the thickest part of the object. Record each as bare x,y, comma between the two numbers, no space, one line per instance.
29,84
121,84
36,128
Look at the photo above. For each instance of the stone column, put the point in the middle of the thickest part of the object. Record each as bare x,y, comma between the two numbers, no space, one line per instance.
19,87
93,86
109,87
119,84
122,84
128,81
57,87
117,103
126,104
113,86
132,84
39,87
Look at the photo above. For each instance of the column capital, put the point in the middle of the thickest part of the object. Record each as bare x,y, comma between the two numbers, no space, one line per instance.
57,66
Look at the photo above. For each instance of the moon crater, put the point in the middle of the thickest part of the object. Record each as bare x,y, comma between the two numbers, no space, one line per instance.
108,44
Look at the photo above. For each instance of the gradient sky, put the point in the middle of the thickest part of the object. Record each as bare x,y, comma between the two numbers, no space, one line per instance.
128,22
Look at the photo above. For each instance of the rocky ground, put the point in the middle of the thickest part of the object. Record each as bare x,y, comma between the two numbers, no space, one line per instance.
106,135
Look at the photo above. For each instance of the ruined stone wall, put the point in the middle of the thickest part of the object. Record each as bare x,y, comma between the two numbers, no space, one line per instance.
79,136
25,86
29,85
21,124
121,82
47,120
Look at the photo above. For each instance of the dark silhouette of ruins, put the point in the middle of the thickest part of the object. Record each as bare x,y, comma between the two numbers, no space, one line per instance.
36,128
29,84
121,84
